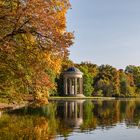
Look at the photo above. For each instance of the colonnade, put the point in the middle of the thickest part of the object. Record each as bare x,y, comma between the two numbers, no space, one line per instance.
73,85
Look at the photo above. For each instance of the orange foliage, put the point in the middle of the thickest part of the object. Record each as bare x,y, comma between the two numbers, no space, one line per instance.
33,39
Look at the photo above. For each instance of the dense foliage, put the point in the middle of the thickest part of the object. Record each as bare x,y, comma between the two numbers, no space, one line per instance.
107,81
33,44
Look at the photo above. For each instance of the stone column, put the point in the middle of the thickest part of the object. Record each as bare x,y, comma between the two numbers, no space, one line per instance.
75,86
70,86
81,85
65,86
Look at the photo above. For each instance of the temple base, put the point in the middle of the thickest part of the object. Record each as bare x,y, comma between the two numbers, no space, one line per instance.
78,95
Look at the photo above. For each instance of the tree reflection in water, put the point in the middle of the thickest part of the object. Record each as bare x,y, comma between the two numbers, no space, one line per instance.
61,118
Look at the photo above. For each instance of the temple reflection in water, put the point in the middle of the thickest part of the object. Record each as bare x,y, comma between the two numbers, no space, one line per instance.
73,113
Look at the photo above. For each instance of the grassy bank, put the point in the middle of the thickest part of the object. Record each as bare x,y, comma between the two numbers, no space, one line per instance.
91,98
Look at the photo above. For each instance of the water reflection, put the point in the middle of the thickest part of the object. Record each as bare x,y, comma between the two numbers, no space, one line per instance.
62,118
72,113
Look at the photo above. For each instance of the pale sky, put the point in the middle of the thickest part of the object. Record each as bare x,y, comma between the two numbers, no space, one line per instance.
106,31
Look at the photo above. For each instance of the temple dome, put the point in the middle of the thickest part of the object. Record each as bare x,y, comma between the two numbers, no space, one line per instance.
73,70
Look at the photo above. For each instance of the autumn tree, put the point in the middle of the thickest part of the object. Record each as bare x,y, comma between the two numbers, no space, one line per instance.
134,71
127,86
107,81
33,44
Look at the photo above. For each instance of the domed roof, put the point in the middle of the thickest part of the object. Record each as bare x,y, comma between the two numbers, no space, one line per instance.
73,70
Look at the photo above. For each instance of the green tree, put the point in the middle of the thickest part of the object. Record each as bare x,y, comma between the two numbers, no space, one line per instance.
87,81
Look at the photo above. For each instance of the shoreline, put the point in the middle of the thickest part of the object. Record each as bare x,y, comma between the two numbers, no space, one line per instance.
7,106
92,98
10,106
4,107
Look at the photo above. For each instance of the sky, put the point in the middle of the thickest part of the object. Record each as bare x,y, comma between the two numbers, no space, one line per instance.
106,31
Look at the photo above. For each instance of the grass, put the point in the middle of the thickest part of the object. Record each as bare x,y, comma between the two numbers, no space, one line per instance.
59,98
91,98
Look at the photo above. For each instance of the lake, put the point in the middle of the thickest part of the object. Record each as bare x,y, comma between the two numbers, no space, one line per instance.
74,120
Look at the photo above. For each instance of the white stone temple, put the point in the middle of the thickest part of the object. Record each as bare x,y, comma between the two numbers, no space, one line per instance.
73,82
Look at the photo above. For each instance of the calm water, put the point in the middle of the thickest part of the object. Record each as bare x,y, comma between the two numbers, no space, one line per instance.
74,120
